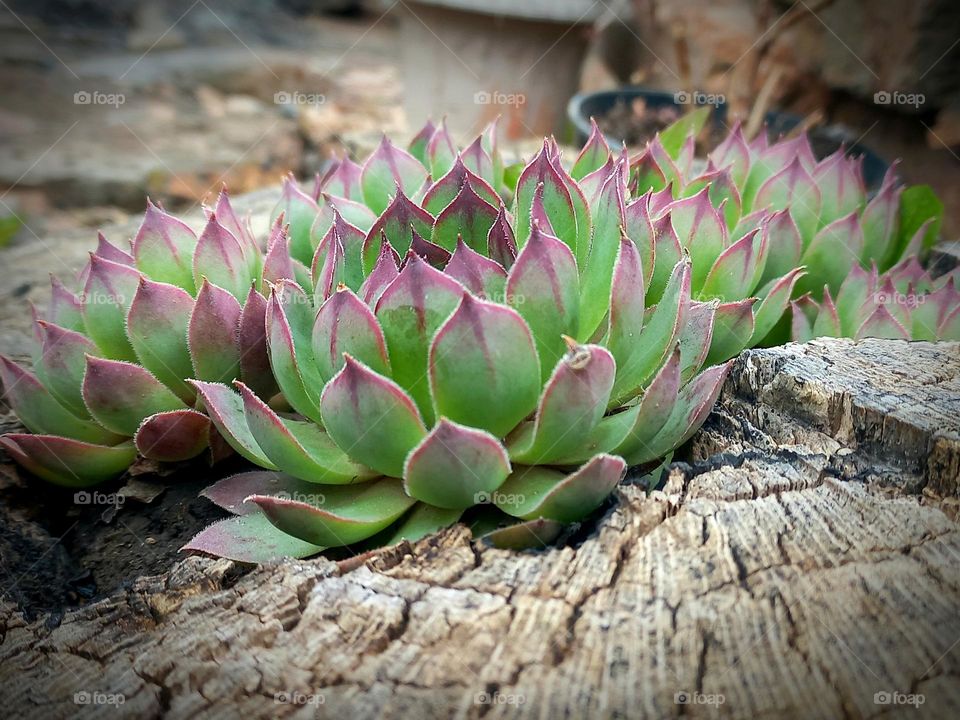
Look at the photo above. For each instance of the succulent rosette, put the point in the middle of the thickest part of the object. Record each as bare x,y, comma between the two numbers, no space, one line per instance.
110,364
447,352
817,215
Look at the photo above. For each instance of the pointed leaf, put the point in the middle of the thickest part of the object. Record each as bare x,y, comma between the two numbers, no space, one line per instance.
593,155
840,180
220,258
347,514
834,250
67,462
441,151
65,308
701,231
453,465
342,180
693,405
501,242
164,247
572,404
289,324
468,216
881,324
40,412
387,169
784,245
395,224
793,188
157,327
444,190
120,395
173,436
538,492
252,343
734,154
213,334
384,272
735,272
410,311
225,409
543,287
656,342
250,539
609,219
301,449
418,145
345,324
733,326
557,202
371,418
773,305
480,275
61,364
625,318
107,295
484,370
299,211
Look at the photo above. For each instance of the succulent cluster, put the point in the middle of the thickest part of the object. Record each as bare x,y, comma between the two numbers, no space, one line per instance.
818,214
432,335
443,352
110,364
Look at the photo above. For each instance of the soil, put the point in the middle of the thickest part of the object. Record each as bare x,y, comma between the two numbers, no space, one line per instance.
635,124
61,548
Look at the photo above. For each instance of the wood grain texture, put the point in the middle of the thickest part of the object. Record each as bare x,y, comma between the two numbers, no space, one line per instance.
804,559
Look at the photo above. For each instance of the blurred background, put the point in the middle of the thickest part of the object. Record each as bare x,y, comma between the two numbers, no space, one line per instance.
105,102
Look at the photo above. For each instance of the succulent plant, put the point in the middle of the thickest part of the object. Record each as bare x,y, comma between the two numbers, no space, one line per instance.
904,303
818,214
110,364
447,353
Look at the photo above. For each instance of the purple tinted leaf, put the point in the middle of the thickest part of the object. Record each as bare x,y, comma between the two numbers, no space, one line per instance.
386,170
252,343
453,465
164,247
371,418
213,335
157,327
68,462
345,324
173,436
120,395
480,275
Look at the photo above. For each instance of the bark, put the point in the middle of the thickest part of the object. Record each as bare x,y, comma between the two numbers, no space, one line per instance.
802,561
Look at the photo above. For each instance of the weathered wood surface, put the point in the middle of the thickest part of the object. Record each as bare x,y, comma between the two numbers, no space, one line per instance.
806,559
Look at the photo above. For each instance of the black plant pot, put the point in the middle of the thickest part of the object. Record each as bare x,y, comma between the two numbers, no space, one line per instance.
825,140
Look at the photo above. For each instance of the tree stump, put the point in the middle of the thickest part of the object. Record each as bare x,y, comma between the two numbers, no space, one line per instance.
804,562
